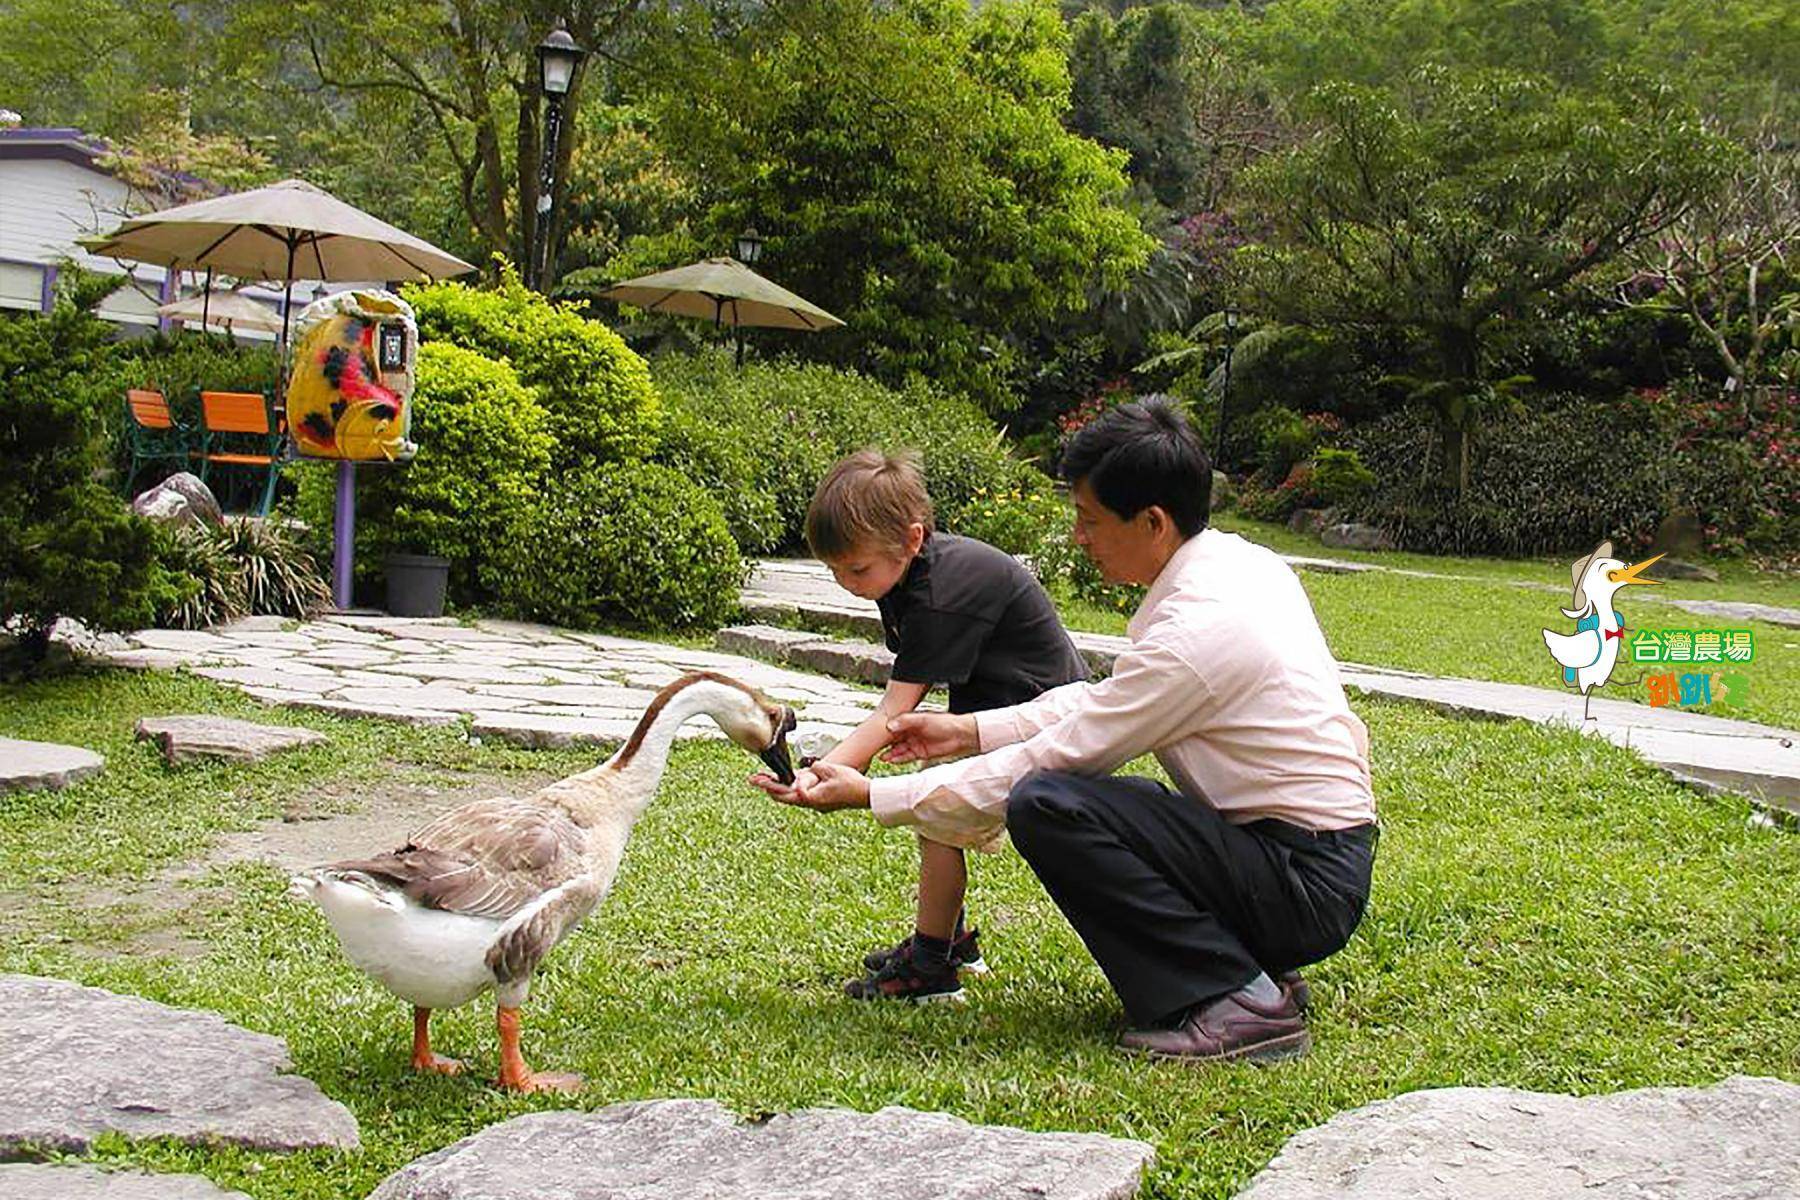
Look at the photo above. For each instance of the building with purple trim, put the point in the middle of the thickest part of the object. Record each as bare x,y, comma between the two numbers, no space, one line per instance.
55,188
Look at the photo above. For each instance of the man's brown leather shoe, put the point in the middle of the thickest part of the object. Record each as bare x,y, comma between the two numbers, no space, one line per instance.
1231,1027
1291,983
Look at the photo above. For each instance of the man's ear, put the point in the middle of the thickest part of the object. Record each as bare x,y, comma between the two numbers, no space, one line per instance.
915,538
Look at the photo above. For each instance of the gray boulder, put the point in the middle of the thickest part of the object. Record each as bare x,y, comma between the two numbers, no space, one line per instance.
1736,1140
181,499
185,739
1351,536
1312,522
1224,494
698,1150
77,1062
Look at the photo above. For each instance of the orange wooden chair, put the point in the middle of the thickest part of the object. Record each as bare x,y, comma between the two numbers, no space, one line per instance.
248,421
152,431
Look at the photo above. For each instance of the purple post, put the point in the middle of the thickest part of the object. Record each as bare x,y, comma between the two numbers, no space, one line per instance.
345,534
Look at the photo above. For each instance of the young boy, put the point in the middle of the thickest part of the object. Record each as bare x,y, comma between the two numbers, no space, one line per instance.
954,611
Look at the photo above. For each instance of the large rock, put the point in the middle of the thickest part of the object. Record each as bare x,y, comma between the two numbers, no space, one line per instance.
181,499
32,1181
77,1062
1680,568
1224,494
697,1150
1311,522
1351,536
186,738
44,766
1737,1140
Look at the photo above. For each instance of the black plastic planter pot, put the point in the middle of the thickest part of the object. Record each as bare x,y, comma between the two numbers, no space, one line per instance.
415,584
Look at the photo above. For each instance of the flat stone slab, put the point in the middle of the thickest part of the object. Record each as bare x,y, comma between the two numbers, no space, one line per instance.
187,739
699,1150
1736,1140
32,1181
77,1062
1761,761
44,766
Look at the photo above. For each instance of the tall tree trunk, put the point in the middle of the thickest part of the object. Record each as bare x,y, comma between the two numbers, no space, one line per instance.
1461,352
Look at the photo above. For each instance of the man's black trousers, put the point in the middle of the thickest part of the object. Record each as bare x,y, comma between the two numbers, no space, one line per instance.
1177,905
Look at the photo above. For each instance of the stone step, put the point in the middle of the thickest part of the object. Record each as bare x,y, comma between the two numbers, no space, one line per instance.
44,766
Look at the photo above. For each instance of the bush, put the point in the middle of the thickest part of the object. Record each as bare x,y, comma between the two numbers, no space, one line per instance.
68,546
1549,478
774,429
1339,477
602,404
485,450
636,545
240,568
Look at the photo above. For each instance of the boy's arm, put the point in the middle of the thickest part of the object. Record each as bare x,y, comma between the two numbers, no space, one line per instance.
870,736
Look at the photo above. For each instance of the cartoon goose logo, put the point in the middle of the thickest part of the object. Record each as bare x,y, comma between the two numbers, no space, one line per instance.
1589,654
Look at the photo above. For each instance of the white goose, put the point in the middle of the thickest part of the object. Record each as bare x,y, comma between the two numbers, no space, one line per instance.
477,898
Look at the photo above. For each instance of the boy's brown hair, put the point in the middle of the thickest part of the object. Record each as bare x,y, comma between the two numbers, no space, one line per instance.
869,498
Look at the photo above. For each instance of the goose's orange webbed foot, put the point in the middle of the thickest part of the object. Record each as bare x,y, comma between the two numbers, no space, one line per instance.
515,1076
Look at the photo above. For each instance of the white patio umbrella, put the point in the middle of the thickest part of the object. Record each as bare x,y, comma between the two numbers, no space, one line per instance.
228,309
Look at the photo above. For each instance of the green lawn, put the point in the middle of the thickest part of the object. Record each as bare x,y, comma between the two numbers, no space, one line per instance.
1490,630
1549,913
1737,581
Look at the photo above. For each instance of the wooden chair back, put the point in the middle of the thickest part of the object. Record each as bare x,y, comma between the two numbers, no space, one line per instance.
235,412
149,409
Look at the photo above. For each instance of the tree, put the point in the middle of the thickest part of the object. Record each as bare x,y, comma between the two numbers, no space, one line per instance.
1716,263
909,169
1462,197
68,546
469,69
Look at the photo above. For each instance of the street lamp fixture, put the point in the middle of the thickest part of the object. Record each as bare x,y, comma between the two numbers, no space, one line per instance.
558,57
749,247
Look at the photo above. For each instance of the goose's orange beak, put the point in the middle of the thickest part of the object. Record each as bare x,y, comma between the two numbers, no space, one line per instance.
1630,574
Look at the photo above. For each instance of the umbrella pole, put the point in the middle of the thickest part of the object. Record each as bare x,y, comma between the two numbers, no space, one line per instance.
281,347
206,302
344,534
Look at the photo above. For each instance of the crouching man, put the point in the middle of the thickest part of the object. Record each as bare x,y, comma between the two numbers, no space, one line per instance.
1199,903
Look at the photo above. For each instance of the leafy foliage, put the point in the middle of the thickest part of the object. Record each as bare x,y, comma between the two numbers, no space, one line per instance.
597,391
771,431
636,544
909,166
68,546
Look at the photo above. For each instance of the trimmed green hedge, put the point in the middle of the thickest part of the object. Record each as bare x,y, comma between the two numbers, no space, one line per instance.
632,543
597,390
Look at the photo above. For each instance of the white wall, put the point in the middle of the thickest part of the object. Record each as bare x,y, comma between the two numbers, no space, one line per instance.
45,204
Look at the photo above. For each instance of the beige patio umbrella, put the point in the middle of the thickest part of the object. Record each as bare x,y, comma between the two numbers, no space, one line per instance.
230,309
286,230
724,291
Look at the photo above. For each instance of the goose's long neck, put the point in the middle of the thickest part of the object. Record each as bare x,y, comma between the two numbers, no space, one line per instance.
613,795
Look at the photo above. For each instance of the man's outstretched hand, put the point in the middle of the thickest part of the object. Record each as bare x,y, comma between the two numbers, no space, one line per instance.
823,787
920,736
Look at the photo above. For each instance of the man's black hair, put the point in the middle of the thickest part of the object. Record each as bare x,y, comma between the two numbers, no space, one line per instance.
1140,454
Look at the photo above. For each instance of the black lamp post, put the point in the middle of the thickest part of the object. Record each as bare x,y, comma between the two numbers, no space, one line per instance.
1225,392
749,249
558,56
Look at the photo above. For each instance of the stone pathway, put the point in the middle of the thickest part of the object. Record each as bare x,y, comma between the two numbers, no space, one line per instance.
69,1181
527,684
44,766
1736,1140
194,738
77,1062
698,1150
1759,761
